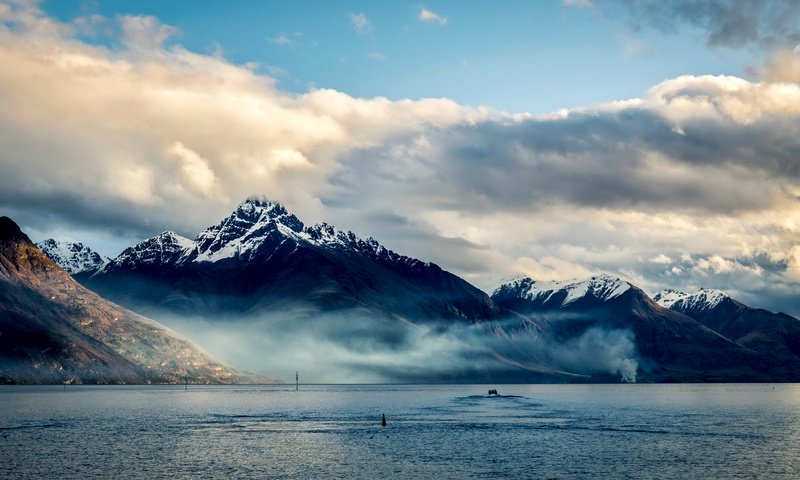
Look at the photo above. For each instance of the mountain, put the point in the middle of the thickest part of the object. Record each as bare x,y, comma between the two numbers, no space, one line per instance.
75,258
774,334
262,258
528,295
670,346
277,288
285,287
54,330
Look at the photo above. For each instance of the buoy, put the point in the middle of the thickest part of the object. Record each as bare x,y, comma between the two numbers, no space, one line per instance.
383,420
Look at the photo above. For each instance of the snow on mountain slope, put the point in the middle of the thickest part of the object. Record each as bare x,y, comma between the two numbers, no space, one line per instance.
254,226
325,235
73,257
261,255
667,297
166,247
252,223
599,287
703,300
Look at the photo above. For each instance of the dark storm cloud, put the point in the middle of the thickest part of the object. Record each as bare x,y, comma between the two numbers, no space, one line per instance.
630,158
727,23
68,209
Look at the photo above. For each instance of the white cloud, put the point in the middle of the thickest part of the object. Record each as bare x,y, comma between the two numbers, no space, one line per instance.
145,31
782,66
660,259
281,39
360,22
723,97
157,132
196,170
700,170
577,3
429,16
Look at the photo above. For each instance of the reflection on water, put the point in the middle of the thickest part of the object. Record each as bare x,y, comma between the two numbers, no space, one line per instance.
528,431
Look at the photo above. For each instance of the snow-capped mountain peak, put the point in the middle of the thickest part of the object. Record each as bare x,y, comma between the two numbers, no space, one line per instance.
702,300
256,210
515,287
244,230
163,248
328,235
667,297
255,231
599,287
602,287
73,257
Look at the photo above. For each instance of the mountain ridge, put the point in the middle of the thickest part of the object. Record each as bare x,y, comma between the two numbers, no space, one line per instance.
255,247
673,346
74,257
54,330
263,260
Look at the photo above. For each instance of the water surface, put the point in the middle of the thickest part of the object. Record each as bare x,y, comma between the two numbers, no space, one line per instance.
439,431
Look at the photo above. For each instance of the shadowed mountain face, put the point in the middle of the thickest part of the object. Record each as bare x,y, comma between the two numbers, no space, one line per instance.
262,258
773,334
54,330
670,345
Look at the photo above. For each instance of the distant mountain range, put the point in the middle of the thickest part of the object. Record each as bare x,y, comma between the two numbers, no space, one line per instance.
262,267
775,335
53,330
673,344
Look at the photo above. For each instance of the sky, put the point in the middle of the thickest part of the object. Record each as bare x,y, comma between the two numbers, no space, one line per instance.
656,141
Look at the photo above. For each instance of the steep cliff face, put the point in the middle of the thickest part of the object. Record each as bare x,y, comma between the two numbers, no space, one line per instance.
52,329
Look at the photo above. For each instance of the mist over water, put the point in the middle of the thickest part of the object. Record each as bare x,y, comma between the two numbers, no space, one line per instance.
598,351
354,347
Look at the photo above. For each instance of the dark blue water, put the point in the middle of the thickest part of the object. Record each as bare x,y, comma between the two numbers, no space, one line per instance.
531,431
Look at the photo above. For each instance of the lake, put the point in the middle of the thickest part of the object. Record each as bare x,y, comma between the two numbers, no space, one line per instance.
433,431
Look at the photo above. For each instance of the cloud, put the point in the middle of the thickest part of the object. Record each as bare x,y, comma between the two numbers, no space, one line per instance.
145,31
661,259
577,3
782,66
140,133
700,173
281,40
360,22
629,157
632,46
704,165
726,23
429,16
196,170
